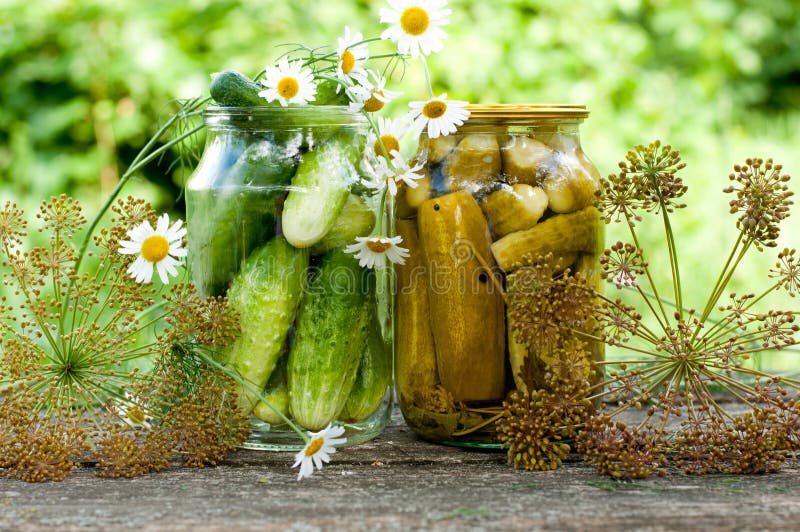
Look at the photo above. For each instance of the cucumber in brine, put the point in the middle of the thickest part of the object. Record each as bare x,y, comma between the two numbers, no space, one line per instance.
356,219
372,379
319,190
228,222
330,338
266,294
275,398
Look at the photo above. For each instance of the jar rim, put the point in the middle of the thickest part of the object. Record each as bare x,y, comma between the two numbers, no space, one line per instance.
310,115
516,112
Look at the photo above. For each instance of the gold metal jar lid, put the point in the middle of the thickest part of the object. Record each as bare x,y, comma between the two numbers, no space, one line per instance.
521,113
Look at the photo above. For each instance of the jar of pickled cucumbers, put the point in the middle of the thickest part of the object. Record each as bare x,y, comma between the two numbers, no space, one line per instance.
271,206
511,191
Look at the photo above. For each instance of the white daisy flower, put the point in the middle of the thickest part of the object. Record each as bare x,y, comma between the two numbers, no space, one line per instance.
373,250
159,247
416,25
404,173
318,450
440,115
381,175
133,411
351,56
389,132
288,83
370,97
391,177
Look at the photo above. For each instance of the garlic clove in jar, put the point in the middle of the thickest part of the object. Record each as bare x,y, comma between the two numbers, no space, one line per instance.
474,163
526,160
568,184
514,208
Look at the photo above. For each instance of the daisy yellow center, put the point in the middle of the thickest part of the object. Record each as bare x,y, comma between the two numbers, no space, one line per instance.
288,87
136,415
390,142
376,246
314,446
155,248
348,61
434,109
414,20
373,104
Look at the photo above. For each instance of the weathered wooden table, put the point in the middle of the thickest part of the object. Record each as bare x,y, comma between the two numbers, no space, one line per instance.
400,482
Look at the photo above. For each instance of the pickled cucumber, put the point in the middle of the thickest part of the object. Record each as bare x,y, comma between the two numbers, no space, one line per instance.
265,293
588,267
527,368
467,312
511,209
559,235
473,164
526,160
415,369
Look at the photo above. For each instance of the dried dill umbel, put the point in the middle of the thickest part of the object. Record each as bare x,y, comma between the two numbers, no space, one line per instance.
537,425
678,362
77,335
620,451
199,405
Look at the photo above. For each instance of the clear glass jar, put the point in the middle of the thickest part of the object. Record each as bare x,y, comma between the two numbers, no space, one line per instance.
510,188
270,207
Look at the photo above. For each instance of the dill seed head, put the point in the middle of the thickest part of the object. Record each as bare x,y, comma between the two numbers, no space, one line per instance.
546,304
647,181
12,225
530,430
210,321
131,453
787,271
762,199
201,416
44,450
620,451
754,442
622,264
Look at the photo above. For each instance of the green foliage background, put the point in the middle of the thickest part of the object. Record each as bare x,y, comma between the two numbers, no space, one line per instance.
84,82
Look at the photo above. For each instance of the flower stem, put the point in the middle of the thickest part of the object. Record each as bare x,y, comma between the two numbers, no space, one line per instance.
725,275
427,75
673,260
138,163
652,284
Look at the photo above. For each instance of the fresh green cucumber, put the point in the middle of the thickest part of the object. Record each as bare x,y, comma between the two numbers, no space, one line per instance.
356,219
372,379
230,88
330,338
266,294
230,221
276,394
319,190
